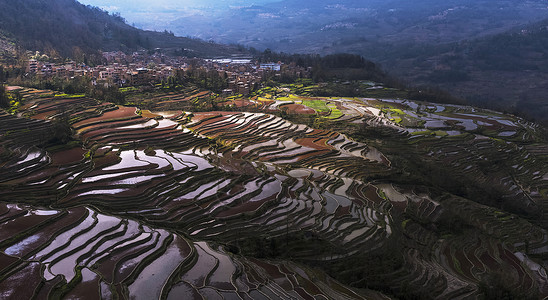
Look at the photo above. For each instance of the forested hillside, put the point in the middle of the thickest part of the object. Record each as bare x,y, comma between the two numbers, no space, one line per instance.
505,71
68,28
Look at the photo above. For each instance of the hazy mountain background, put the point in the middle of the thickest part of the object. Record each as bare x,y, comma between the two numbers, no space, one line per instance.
66,28
327,25
491,52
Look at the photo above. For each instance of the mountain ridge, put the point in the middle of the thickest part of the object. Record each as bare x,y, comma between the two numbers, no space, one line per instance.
66,27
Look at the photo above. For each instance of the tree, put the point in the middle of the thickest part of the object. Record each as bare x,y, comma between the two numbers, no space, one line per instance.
4,100
109,94
61,130
318,73
78,54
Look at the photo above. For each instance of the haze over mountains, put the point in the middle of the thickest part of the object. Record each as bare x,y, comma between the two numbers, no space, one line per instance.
281,25
428,42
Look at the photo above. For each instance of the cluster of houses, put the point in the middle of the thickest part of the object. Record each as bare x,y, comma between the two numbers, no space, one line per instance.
131,74
243,75
141,68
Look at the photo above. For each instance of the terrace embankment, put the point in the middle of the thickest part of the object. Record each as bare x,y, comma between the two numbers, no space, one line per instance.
151,204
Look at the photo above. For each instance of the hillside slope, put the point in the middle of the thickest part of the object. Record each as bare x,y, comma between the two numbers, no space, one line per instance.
344,198
505,71
67,28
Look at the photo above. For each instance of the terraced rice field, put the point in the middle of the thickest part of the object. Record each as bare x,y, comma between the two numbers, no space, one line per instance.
191,97
78,252
175,204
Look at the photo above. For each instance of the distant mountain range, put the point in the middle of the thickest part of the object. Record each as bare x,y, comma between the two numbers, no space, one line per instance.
491,52
68,28
327,26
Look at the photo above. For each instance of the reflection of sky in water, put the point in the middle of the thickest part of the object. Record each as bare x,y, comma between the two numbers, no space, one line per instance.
433,120
507,133
128,161
140,125
19,247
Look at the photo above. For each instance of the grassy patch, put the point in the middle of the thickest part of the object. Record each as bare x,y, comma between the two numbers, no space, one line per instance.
335,112
440,133
128,89
381,194
70,96
396,120
397,111
46,95
263,99
284,99
432,133
456,263
317,105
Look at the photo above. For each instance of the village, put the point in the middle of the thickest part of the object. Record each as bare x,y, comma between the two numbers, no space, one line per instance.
142,68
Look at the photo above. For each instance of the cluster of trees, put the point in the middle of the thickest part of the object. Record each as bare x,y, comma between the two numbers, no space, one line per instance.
511,51
205,79
9,101
51,27
342,66
3,75
77,85
4,100
61,131
515,50
66,28
202,78
8,74
109,94
498,285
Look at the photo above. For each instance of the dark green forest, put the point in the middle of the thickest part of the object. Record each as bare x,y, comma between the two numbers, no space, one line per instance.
66,28
341,66
506,71
515,50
